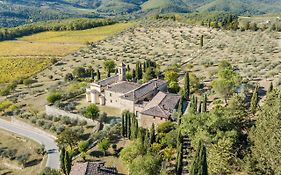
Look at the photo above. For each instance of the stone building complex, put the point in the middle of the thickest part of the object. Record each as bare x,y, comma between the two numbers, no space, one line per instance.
149,101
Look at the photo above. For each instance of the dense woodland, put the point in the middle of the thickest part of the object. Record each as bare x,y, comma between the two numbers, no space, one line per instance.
58,25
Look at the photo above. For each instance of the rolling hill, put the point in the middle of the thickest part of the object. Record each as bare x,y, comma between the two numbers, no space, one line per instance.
17,12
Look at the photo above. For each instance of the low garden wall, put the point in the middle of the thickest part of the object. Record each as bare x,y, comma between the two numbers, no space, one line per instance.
53,111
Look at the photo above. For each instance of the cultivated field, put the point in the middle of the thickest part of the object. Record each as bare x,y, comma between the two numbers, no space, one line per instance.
28,55
16,68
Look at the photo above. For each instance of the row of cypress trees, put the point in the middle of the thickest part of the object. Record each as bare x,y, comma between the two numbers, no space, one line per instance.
130,126
65,161
198,105
131,130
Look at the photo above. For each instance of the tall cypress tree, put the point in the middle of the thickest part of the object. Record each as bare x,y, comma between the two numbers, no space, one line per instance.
186,86
134,74
129,125
152,134
126,124
199,165
98,75
179,159
108,73
138,71
200,106
68,161
62,157
202,41
123,125
204,105
196,104
254,100
180,106
147,140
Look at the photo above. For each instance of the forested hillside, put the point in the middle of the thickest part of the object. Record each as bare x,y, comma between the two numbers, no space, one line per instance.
17,12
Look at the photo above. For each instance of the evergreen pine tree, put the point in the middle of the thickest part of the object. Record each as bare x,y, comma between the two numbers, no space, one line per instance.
254,100
68,161
199,165
62,157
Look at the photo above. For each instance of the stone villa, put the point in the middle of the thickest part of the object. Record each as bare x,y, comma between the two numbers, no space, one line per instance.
92,168
149,101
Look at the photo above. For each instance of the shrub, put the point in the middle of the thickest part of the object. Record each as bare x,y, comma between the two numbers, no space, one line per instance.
59,129
33,120
41,150
83,145
56,119
40,122
74,122
82,122
53,97
66,120
22,159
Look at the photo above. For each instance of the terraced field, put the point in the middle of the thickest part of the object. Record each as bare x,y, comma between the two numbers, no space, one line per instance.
27,55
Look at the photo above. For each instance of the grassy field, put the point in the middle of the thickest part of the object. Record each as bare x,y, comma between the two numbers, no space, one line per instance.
77,37
23,146
28,55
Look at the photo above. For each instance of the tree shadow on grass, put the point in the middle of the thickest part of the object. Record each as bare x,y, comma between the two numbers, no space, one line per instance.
96,153
33,162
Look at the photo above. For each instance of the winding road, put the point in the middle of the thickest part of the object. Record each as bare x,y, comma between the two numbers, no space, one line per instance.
38,136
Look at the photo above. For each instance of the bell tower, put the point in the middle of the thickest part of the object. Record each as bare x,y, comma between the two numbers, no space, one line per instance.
122,72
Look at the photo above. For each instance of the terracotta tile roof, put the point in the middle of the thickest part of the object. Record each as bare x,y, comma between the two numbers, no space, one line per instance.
123,87
108,81
144,89
162,105
92,168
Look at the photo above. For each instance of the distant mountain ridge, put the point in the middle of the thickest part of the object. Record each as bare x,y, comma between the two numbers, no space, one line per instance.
16,12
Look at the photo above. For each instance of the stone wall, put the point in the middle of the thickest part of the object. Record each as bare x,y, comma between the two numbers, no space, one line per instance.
53,111
146,121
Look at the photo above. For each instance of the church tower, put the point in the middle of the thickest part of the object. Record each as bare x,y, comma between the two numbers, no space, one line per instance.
122,72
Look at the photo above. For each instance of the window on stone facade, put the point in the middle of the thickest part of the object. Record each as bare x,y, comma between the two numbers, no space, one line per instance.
110,94
161,118
110,101
153,117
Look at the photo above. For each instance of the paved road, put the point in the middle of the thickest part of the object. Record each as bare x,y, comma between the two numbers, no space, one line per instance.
38,136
